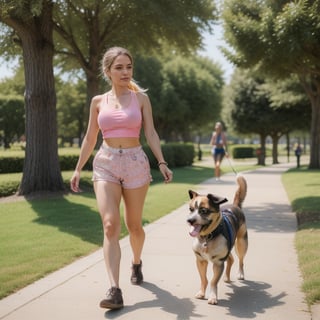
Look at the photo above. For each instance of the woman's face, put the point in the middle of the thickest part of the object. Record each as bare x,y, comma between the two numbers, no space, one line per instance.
121,71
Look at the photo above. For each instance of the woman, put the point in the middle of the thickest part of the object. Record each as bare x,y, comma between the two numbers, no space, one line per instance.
120,168
219,148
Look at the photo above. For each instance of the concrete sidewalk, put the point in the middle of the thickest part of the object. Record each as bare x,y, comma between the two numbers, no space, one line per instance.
271,289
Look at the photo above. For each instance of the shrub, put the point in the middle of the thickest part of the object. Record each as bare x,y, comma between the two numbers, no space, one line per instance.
9,188
176,154
11,164
243,152
69,162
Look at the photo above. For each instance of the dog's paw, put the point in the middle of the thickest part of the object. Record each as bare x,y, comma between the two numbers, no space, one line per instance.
227,279
241,276
200,295
213,301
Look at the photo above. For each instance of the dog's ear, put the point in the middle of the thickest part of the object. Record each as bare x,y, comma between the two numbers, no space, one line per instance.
216,200
192,194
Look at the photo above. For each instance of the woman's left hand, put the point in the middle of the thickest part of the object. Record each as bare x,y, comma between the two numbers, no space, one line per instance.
166,172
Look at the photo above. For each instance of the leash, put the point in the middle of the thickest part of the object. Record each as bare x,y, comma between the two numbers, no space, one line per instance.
233,169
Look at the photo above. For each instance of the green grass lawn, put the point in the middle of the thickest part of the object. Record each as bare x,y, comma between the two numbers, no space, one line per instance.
303,188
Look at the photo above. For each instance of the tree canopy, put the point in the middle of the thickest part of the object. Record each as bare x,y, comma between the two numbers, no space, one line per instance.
11,119
279,38
256,107
190,96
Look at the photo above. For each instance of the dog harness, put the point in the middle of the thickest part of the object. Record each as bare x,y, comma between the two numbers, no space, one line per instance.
226,229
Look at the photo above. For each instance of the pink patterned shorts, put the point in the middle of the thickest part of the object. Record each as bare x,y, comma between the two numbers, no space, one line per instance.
128,167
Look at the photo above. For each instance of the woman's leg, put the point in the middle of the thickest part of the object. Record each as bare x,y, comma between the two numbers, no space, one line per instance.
217,169
217,166
134,202
218,160
108,196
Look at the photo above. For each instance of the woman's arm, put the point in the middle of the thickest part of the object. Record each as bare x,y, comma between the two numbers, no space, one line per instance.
88,143
152,135
213,139
224,140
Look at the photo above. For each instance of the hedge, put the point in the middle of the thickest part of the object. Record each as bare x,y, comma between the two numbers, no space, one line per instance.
176,154
11,164
243,152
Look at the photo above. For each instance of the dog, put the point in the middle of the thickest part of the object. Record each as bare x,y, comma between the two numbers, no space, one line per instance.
216,230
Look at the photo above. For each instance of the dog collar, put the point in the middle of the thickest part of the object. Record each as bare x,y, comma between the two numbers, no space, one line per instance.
214,233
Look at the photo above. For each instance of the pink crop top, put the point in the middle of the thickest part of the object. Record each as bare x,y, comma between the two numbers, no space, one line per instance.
118,123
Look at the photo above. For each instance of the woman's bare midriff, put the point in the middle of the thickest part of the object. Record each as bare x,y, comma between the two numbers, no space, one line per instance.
123,143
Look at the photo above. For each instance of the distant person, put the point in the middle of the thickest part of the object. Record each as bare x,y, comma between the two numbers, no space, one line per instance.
121,169
297,152
219,148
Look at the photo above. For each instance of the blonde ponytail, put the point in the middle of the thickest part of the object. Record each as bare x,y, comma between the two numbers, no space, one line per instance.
135,87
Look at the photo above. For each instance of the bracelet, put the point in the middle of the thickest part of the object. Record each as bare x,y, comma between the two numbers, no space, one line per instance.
164,162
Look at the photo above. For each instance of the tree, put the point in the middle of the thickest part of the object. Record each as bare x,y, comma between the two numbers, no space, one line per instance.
14,85
255,108
290,101
11,119
279,38
71,97
32,22
249,110
12,112
190,97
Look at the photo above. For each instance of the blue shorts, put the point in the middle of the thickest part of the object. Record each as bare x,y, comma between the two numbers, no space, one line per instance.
218,153
129,168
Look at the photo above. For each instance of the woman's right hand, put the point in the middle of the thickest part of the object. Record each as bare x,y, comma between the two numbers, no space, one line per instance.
74,182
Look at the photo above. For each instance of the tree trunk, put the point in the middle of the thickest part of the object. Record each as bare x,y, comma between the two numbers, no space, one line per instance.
315,133
41,166
261,152
288,146
275,141
312,88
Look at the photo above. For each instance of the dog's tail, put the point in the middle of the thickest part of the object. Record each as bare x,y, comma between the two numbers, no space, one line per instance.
241,192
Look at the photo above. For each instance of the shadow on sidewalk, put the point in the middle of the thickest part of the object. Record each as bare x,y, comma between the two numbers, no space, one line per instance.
271,217
182,308
250,299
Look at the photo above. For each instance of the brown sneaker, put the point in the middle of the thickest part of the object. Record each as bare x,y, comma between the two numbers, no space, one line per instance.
136,276
113,300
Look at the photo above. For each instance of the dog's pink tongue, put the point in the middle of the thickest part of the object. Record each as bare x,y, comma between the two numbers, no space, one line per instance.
194,230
